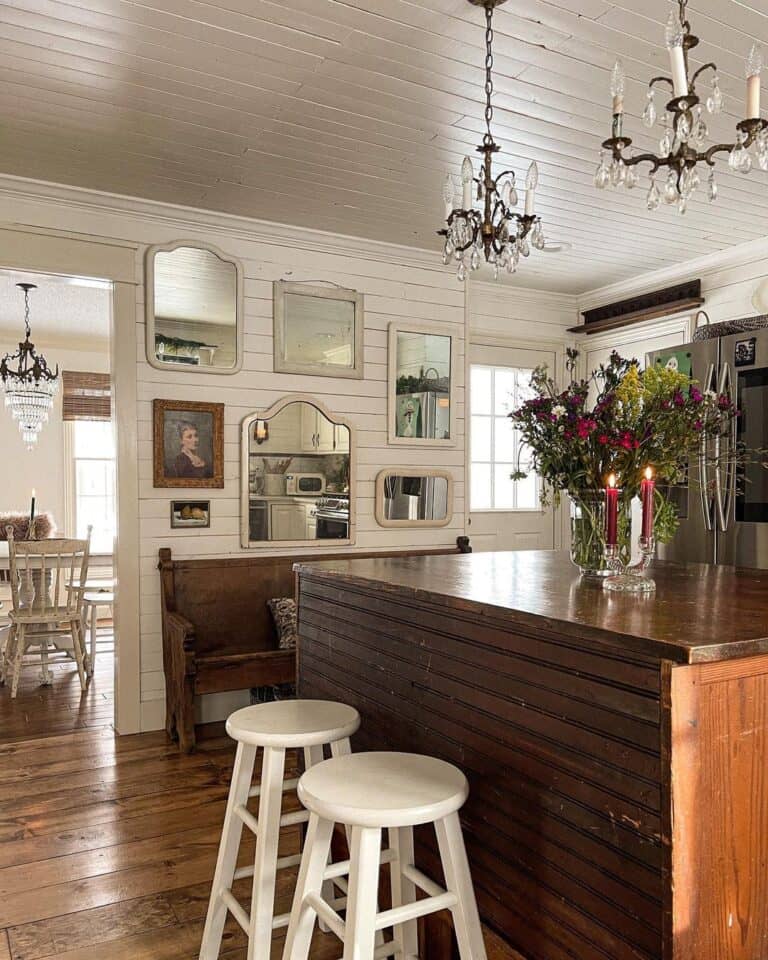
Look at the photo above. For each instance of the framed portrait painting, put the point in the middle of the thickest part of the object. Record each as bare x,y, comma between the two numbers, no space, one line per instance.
188,444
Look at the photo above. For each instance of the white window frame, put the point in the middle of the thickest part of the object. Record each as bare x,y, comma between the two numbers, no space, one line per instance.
70,479
492,463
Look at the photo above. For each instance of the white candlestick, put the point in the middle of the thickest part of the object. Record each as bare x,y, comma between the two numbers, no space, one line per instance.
753,98
467,178
530,201
679,75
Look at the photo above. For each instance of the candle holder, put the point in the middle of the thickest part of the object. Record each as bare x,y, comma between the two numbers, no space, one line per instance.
630,578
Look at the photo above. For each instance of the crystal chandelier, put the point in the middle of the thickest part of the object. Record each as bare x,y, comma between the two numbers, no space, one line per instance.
682,147
28,383
496,232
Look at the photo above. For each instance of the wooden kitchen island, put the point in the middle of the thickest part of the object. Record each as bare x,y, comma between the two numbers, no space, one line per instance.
616,746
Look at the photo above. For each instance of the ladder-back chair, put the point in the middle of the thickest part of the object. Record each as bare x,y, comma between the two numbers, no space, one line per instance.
46,608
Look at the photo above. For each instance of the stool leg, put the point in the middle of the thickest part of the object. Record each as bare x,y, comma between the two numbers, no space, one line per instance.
317,848
265,866
458,880
313,756
365,857
406,935
242,774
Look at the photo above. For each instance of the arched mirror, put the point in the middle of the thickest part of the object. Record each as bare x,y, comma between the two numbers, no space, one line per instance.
408,497
194,308
297,476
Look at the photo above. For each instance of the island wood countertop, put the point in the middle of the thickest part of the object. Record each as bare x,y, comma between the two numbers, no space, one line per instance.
616,746
700,613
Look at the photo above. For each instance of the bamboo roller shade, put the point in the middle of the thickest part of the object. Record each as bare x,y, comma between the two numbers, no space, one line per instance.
87,396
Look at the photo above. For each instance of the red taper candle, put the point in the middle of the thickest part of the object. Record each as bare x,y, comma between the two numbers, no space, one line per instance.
647,489
611,512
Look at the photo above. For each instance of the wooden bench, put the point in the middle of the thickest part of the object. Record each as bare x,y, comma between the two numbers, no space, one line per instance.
218,633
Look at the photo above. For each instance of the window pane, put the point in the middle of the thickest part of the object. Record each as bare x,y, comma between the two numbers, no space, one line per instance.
528,492
524,389
481,486
480,390
504,490
504,394
94,438
504,447
481,439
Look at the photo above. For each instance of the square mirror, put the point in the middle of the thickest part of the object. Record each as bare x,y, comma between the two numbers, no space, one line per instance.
194,309
318,330
422,381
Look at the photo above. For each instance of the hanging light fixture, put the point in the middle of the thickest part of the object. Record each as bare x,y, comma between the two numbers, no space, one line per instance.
28,384
683,142
496,231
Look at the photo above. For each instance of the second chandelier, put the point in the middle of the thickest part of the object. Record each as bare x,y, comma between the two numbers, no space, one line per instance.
494,231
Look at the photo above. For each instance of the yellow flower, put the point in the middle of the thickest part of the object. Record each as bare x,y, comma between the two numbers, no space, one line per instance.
629,392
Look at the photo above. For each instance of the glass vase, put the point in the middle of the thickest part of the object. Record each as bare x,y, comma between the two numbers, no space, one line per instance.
588,533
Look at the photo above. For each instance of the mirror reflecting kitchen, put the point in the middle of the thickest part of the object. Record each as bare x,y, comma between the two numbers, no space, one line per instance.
298,476
194,308
421,386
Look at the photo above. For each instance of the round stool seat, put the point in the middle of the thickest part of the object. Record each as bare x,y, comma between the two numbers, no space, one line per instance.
293,723
383,789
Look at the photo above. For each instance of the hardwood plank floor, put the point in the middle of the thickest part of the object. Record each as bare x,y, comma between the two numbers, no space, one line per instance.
107,843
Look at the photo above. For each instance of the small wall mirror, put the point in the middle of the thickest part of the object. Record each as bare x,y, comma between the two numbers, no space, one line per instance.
297,481
414,498
194,308
422,384
318,330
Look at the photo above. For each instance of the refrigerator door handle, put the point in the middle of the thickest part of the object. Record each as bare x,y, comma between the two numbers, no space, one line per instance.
704,465
725,503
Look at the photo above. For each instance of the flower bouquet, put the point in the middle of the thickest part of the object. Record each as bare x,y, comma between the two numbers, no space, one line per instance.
620,420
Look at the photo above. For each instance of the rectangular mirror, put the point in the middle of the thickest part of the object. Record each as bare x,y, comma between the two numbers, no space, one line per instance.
422,385
318,330
414,498
194,319
296,476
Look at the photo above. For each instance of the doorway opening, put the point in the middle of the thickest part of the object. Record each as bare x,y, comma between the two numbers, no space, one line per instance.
70,471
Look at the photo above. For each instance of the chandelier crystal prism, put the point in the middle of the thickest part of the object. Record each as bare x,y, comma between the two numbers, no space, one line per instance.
493,230
29,385
682,146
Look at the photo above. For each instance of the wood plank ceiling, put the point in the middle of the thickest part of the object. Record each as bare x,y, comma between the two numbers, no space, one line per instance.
344,115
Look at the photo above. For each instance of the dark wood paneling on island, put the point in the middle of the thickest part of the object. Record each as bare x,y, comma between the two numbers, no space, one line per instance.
556,700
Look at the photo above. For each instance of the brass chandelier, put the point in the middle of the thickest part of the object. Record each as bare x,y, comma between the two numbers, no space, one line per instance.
495,231
682,148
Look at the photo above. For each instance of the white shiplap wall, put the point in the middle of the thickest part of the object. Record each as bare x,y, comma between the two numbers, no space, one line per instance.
399,285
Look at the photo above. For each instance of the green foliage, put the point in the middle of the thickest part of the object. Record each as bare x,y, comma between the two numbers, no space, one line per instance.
620,420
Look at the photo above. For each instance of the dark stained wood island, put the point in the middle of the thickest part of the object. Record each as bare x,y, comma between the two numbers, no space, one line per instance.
616,746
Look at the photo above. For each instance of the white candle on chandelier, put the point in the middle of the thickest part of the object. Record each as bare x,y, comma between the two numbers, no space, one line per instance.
675,37
618,87
755,62
467,179
448,195
531,182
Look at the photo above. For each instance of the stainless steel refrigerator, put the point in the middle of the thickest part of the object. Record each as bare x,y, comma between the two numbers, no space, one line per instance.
724,511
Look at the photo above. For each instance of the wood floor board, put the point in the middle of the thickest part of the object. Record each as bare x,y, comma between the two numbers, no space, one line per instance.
107,843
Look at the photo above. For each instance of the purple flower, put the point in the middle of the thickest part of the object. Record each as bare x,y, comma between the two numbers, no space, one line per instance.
696,395
698,425
678,399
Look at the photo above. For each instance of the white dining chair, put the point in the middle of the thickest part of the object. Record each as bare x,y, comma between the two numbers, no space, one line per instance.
45,609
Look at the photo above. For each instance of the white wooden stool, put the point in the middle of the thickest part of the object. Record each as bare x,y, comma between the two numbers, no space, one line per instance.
369,792
91,603
276,727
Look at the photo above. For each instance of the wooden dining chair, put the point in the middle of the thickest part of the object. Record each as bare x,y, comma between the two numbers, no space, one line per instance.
45,608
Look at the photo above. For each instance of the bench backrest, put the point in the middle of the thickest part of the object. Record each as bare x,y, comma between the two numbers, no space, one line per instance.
226,599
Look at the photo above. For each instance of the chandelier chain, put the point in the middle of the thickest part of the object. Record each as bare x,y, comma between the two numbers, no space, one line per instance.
488,72
27,326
